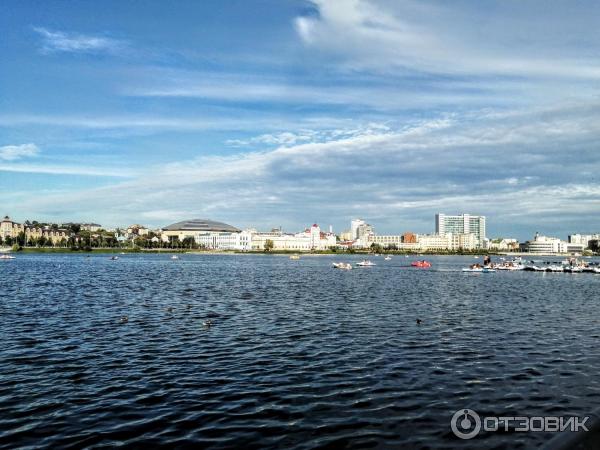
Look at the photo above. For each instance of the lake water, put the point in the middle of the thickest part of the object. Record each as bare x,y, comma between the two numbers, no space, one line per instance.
299,355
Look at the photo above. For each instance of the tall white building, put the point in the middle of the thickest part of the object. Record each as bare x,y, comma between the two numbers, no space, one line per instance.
360,232
461,224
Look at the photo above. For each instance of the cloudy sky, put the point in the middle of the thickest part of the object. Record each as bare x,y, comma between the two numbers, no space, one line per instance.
270,113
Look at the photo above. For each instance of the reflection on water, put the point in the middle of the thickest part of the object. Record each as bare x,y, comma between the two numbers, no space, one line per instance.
298,355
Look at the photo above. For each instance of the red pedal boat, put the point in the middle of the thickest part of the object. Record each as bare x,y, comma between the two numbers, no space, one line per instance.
420,264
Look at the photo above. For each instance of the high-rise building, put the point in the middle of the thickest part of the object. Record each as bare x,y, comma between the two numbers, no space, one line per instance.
462,224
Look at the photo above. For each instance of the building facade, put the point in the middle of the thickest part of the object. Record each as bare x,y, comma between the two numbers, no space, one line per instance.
545,245
308,240
462,224
583,239
10,229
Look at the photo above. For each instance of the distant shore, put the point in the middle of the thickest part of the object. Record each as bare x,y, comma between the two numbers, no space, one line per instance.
364,252
237,252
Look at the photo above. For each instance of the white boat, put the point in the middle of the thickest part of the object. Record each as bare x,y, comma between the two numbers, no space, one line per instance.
555,268
342,265
573,269
7,257
388,258
365,263
509,266
174,257
535,268
596,269
295,257
479,269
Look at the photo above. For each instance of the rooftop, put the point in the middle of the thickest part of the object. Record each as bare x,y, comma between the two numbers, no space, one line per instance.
200,225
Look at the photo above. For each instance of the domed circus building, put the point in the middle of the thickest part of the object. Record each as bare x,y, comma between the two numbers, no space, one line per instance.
209,234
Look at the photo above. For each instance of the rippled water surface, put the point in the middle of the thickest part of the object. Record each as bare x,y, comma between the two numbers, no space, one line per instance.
299,355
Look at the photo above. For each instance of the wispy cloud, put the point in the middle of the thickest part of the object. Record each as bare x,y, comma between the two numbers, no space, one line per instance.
14,152
397,176
53,169
523,39
60,41
287,138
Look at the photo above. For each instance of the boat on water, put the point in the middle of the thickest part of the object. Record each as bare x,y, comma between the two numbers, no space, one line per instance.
174,257
421,263
388,258
295,257
7,257
114,258
534,268
478,269
365,263
596,269
573,269
555,268
509,266
342,265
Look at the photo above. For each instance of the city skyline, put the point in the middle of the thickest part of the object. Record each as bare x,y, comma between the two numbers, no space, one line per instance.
295,112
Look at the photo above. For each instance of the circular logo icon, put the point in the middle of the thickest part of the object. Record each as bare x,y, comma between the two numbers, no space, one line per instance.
465,423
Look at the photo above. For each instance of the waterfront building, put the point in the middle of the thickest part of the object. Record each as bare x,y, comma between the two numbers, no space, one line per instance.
310,239
9,228
224,240
91,227
360,233
447,241
461,224
409,238
137,230
503,244
545,245
57,236
583,239
395,241
207,234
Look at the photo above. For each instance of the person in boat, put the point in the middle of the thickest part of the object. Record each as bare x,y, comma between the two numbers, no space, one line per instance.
487,260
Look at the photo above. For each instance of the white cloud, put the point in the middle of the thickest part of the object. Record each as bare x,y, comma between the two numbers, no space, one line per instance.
53,169
14,152
519,39
498,165
60,41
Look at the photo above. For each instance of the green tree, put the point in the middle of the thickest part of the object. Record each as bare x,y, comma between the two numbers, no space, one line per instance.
269,244
189,242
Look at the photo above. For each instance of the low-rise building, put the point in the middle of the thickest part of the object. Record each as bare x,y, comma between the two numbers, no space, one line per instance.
545,245
503,244
137,230
308,240
583,239
91,227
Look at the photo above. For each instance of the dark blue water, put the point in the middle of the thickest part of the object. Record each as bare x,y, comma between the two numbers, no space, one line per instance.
299,356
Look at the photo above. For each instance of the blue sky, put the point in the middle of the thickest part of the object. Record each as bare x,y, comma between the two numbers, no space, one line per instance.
272,113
